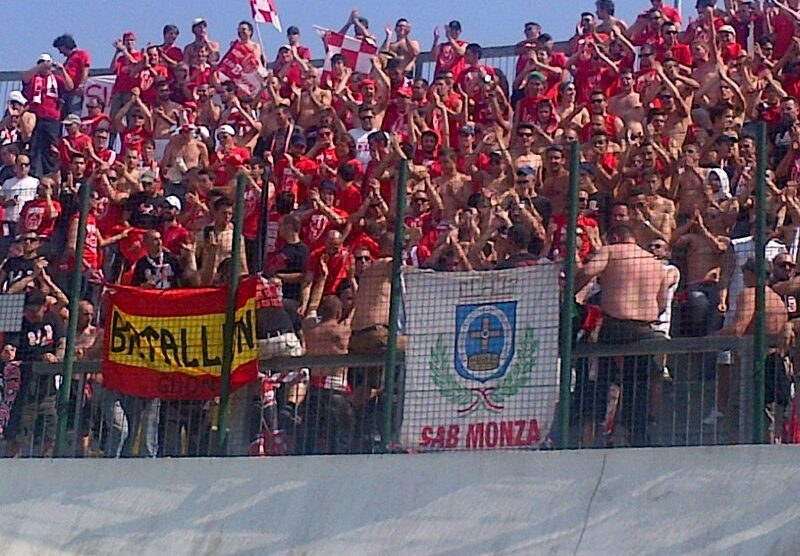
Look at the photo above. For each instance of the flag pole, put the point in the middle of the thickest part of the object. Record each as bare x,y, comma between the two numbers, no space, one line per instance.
261,43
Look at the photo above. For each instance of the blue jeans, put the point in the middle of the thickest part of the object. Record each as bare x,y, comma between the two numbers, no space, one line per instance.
123,414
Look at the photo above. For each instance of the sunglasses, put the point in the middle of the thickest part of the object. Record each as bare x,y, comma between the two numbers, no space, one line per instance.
524,134
25,164
598,100
363,259
30,239
112,178
420,200
654,246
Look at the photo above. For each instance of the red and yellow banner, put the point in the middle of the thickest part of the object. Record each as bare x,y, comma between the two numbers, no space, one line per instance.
168,344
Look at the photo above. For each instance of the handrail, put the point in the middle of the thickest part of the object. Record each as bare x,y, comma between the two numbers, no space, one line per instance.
424,57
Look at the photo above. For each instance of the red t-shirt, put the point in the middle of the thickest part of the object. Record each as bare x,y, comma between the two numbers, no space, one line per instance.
36,216
449,59
317,225
348,199
681,52
43,92
76,62
91,248
338,267
783,30
125,82
560,235
109,216
175,237
134,139
289,181
252,212
78,143
147,79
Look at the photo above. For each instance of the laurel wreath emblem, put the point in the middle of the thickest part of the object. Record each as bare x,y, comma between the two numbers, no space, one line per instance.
470,399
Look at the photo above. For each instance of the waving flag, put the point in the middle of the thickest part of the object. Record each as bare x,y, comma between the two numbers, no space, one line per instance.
357,53
264,12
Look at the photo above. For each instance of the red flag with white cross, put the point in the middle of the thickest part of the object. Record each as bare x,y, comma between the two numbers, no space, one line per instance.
264,12
357,53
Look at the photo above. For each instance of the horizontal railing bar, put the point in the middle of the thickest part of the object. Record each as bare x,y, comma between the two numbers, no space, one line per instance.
676,345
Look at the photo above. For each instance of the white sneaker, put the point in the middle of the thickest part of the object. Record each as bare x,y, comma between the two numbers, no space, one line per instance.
713,417
666,375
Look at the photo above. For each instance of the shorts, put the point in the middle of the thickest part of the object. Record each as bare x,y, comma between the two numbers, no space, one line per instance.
24,416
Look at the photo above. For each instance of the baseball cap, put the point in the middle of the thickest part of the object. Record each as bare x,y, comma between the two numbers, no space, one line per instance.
727,29
128,35
44,57
299,140
293,30
225,128
17,96
526,171
71,119
404,92
365,82
467,130
588,167
174,202
327,185
198,21
537,75
147,177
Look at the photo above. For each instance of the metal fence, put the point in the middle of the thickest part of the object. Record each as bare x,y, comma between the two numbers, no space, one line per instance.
645,393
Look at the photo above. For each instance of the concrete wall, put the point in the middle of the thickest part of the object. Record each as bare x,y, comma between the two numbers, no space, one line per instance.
723,500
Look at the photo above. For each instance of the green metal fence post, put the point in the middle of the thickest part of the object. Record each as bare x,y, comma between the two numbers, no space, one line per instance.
394,305
760,332
230,316
568,299
72,325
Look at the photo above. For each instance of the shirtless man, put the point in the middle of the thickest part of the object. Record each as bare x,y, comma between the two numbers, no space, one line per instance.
328,418
705,240
201,39
743,324
654,215
184,152
555,184
627,105
310,100
453,187
370,323
688,189
635,295
166,115
404,48
523,153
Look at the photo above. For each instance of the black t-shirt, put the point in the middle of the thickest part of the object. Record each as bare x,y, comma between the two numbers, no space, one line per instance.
17,268
34,340
782,139
600,208
163,272
292,258
145,210
542,206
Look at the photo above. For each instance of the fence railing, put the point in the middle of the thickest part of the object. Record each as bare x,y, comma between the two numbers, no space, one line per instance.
645,393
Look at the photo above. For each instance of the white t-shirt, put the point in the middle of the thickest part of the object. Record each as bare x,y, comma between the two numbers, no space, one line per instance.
360,135
23,190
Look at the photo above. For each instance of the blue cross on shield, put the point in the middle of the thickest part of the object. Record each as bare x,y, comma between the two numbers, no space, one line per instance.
485,336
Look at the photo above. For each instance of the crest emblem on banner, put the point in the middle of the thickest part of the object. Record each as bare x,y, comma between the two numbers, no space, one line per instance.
485,350
485,335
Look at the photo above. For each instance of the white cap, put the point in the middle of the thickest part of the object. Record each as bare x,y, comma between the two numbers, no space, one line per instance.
72,119
174,202
198,21
17,96
225,129
45,57
727,29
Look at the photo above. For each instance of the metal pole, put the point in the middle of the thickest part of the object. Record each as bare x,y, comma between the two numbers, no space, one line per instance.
230,316
760,332
568,299
72,325
394,305
263,227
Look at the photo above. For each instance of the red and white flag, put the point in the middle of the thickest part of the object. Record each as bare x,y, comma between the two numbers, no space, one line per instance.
357,53
264,12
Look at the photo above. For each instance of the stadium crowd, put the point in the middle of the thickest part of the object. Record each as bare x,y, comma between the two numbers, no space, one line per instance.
665,115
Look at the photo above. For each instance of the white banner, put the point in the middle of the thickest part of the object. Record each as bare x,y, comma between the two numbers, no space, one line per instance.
99,87
481,358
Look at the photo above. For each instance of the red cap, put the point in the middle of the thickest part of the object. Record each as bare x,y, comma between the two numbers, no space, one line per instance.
365,82
404,92
128,35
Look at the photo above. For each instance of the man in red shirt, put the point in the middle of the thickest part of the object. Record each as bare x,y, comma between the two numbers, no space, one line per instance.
175,236
670,45
149,72
77,65
449,56
328,266
294,171
348,195
669,13
40,215
74,142
42,88
139,126
322,216
293,36
123,63
171,54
